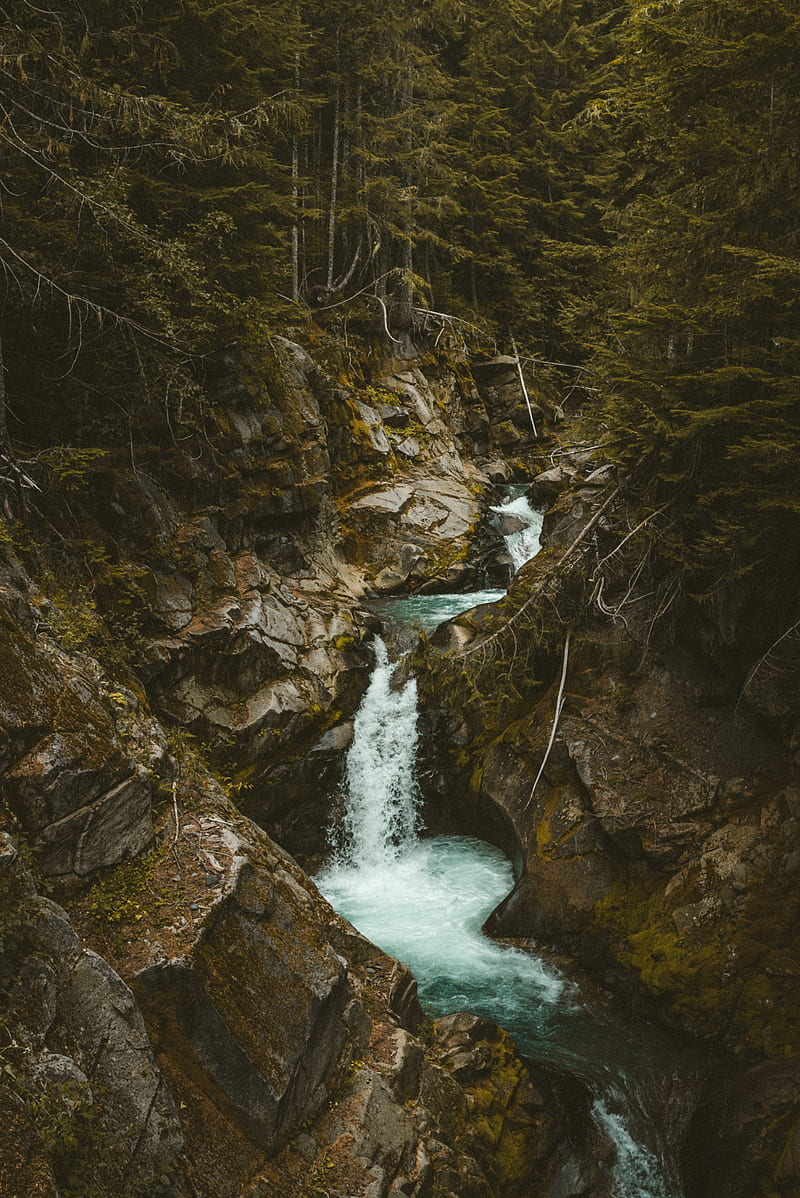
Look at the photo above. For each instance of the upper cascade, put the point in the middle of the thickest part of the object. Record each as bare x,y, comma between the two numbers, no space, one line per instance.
523,530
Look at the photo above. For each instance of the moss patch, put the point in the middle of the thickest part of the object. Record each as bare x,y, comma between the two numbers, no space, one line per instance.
734,977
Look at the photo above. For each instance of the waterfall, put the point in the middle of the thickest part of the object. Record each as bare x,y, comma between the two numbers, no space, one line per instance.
523,542
638,1173
425,902
381,813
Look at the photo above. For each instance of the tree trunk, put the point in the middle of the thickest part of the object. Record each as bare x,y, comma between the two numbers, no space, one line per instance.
3,410
334,175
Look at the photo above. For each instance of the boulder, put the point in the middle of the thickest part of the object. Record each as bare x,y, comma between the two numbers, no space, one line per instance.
263,1011
86,1053
69,776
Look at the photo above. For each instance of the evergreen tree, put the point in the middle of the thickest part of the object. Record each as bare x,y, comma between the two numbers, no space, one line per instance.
378,152
531,190
702,352
135,232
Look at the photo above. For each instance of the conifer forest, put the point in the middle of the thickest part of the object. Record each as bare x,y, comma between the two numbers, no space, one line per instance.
611,186
399,599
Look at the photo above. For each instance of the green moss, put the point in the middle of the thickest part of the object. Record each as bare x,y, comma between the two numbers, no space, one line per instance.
725,979
490,1129
130,895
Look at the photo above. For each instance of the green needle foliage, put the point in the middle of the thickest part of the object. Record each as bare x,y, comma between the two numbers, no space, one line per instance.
583,176
700,348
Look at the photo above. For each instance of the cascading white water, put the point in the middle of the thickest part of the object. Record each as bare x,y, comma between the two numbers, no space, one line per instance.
425,901
381,814
524,543
637,1170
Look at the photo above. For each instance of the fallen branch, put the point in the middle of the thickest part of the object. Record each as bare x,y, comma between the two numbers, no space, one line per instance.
793,629
522,385
22,478
556,717
174,845
386,320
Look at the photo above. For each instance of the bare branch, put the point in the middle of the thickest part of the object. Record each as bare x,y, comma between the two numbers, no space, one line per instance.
99,311
537,592
556,717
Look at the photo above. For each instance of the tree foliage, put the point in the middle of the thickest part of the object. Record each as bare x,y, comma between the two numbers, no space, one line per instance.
137,191
700,350
576,176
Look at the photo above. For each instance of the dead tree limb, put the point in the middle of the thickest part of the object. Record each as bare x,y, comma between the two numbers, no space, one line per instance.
522,385
556,717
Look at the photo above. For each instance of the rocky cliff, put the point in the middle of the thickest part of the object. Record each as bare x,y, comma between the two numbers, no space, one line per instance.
182,1014
647,782
182,628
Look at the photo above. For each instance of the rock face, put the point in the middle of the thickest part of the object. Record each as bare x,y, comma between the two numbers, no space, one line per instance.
81,796
421,528
262,1010
436,439
258,1059
198,1022
663,823
655,817
78,1052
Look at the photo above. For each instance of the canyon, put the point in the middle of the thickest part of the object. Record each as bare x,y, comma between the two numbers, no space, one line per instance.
183,1013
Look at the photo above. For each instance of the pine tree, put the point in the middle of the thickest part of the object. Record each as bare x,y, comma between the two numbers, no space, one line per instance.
531,161
137,227
377,154
702,352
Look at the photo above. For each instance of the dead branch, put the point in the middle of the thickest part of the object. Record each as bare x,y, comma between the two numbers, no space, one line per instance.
763,662
556,717
522,385
386,320
176,834
633,533
20,477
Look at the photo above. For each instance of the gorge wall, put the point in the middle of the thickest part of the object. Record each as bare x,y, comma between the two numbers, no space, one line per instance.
645,777
180,630
183,631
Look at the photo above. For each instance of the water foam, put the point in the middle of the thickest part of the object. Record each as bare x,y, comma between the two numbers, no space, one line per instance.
525,543
425,901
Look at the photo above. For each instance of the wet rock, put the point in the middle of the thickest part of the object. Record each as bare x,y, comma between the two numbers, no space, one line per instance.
403,998
506,523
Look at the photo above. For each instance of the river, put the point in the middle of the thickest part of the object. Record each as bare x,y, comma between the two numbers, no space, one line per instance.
425,900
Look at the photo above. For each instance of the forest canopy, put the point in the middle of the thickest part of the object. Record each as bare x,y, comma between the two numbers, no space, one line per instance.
606,184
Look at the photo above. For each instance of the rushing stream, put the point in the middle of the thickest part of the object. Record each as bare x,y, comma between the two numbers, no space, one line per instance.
523,543
424,901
